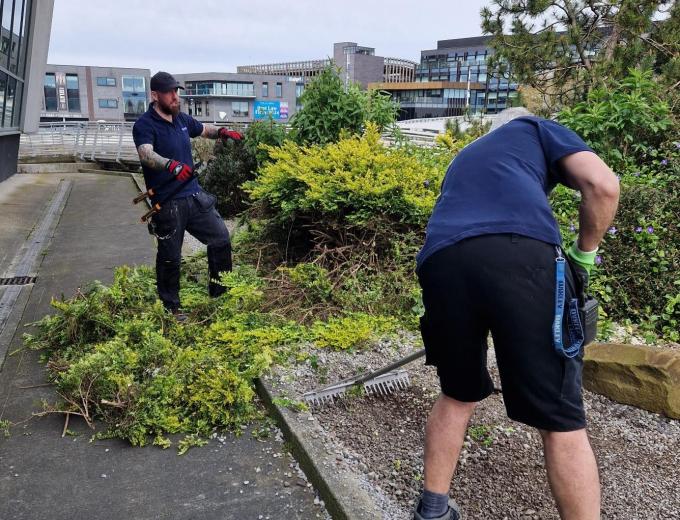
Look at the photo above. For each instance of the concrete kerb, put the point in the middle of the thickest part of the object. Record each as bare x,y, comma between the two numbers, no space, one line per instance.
341,491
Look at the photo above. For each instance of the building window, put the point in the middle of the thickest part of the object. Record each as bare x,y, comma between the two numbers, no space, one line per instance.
207,110
14,15
199,107
219,88
134,95
108,103
50,88
239,108
265,89
73,92
279,90
106,82
10,101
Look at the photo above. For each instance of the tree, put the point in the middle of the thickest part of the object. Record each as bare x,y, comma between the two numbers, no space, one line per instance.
666,40
565,48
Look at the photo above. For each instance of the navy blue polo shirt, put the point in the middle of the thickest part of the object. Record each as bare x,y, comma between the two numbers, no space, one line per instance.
169,140
500,184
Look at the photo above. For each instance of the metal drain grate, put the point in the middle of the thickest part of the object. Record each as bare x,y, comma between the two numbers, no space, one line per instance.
17,280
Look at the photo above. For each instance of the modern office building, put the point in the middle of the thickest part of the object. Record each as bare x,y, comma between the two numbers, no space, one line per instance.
357,64
452,80
85,93
241,98
24,41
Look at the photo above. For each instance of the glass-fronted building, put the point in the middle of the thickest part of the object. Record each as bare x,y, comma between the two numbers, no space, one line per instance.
24,40
85,93
451,80
13,47
240,98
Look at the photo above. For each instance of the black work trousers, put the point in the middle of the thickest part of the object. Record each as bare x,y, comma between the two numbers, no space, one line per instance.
197,215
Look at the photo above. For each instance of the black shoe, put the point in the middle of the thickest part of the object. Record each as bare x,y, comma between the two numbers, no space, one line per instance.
452,513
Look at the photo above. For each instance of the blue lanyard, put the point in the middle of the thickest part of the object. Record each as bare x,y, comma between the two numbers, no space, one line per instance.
574,327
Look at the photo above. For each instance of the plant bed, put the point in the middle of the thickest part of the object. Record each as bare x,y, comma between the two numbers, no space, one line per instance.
501,472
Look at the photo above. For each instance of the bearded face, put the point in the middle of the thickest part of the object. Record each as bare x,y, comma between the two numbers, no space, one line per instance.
168,102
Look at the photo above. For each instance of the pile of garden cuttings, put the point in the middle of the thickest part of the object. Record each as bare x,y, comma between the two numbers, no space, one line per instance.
131,371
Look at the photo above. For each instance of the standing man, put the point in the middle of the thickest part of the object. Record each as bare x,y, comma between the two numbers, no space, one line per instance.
162,137
489,265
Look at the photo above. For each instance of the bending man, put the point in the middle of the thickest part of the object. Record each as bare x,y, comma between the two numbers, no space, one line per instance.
489,265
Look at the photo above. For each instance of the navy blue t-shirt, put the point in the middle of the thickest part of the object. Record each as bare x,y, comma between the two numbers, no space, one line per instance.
169,140
500,184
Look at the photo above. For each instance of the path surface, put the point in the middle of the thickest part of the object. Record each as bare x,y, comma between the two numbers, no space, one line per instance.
45,476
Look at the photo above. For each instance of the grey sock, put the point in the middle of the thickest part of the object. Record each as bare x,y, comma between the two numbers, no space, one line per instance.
432,504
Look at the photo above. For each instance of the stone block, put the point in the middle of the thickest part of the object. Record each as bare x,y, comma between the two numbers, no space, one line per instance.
639,375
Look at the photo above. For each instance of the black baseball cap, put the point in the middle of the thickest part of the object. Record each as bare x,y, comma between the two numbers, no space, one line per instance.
164,82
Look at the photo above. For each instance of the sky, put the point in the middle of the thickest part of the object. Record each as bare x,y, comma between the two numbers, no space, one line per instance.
183,36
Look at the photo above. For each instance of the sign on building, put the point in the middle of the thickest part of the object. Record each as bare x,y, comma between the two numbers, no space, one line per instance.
277,110
62,100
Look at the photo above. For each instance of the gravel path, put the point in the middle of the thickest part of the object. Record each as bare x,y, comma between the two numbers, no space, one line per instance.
501,473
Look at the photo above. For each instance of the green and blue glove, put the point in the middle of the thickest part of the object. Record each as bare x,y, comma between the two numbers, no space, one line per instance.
582,263
583,259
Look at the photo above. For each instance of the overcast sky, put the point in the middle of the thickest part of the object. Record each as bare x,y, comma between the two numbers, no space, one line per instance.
182,36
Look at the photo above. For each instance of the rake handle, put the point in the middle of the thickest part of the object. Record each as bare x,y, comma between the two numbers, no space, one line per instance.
367,377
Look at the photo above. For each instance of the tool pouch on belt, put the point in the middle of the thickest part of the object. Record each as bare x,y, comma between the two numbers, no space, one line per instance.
205,201
588,306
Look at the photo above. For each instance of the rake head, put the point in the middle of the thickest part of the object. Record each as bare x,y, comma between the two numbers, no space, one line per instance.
384,384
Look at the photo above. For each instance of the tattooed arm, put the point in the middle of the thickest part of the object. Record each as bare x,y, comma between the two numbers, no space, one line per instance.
151,159
210,131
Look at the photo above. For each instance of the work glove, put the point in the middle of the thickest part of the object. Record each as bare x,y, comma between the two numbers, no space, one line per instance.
581,262
225,134
181,171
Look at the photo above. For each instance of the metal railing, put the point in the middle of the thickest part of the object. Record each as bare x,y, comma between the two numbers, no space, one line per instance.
112,141
109,141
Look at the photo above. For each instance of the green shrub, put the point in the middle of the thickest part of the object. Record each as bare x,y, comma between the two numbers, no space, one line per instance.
624,123
637,277
261,133
233,164
353,192
329,109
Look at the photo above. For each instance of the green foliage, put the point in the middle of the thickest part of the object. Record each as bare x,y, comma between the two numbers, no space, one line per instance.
667,60
352,331
623,123
355,190
4,428
482,434
329,109
232,163
115,355
636,280
261,133
296,406
454,138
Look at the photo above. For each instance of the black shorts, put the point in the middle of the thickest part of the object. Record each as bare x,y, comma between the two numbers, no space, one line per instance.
503,284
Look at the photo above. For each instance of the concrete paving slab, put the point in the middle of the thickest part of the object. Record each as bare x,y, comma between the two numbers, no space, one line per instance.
23,199
45,476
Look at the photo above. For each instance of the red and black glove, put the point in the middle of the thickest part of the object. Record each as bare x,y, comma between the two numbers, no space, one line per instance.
225,134
181,171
